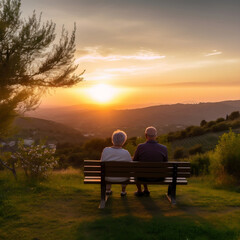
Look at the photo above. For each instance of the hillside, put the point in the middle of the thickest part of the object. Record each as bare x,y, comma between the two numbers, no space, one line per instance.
44,129
101,122
208,140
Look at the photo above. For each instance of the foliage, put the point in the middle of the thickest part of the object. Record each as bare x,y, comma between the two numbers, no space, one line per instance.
36,160
74,154
178,153
97,144
220,120
226,158
232,121
203,123
234,115
8,161
195,149
196,131
220,126
30,61
200,163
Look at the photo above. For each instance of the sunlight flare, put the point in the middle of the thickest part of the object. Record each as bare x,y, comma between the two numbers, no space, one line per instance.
102,93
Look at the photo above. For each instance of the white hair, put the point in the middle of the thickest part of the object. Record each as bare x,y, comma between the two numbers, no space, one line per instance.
119,138
151,131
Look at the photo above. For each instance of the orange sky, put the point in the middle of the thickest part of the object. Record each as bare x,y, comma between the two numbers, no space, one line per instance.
151,52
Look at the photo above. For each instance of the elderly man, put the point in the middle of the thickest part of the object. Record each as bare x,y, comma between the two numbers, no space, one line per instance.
150,151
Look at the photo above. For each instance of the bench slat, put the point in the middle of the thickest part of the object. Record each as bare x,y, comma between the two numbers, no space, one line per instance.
92,168
146,164
144,174
143,164
180,181
92,173
149,169
92,162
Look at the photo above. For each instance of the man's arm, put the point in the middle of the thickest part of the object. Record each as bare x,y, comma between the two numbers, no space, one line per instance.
136,154
166,160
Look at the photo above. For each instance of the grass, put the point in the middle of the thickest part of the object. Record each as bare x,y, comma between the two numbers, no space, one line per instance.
65,208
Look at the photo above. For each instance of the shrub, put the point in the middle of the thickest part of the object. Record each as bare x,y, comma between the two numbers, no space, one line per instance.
226,158
200,163
234,115
178,153
97,144
36,160
210,124
195,149
219,127
203,123
235,124
77,159
196,131
220,120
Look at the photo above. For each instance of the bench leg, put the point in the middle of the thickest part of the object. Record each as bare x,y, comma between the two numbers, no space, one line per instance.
103,196
171,195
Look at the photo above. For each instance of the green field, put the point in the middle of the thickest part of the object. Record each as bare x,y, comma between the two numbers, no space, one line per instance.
208,140
65,208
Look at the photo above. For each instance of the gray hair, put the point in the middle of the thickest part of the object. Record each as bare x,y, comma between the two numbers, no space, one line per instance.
151,131
119,138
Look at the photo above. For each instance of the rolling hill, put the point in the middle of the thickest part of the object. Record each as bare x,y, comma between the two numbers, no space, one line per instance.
44,129
208,141
101,122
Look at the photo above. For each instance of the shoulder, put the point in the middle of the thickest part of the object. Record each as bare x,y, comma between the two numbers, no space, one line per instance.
126,154
162,146
125,151
141,145
107,149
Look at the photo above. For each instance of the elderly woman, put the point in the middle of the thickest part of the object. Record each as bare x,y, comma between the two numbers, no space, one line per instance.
116,153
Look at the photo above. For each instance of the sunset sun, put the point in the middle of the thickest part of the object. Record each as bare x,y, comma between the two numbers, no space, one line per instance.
102,93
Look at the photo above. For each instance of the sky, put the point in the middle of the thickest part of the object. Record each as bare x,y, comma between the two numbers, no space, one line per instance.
149,51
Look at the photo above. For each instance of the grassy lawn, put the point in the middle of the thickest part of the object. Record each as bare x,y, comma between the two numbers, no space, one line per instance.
65,208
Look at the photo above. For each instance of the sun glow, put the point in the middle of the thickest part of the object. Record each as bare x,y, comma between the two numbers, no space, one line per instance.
102,93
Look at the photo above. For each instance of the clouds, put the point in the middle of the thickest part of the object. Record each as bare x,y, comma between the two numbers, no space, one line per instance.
179,43
213,53
165,26
95,54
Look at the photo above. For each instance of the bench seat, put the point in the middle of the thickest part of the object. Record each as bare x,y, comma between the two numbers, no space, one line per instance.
173,173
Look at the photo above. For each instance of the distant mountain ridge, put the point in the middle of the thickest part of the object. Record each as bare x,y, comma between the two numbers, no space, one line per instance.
102,122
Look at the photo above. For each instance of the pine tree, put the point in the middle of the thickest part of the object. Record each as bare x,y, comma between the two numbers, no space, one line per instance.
30,61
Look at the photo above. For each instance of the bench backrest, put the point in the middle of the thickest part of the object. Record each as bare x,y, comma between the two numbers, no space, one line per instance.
95,168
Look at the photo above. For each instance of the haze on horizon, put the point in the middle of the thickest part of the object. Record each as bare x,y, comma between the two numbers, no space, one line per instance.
150,52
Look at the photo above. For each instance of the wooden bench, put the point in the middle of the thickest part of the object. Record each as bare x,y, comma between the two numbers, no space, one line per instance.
174,173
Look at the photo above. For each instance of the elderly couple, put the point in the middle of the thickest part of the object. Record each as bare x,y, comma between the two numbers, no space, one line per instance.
150,151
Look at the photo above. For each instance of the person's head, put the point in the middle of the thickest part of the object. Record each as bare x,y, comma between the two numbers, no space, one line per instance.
151,133
119,138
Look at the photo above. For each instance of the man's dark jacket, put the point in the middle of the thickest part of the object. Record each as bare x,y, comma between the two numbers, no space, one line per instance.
151,151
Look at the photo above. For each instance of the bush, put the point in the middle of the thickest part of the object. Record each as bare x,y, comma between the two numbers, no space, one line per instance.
235,124
195,149
36,160
210,124
196,131
226,158
203,123
200,163
97,144
220,120
178,153
234,115
220,127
